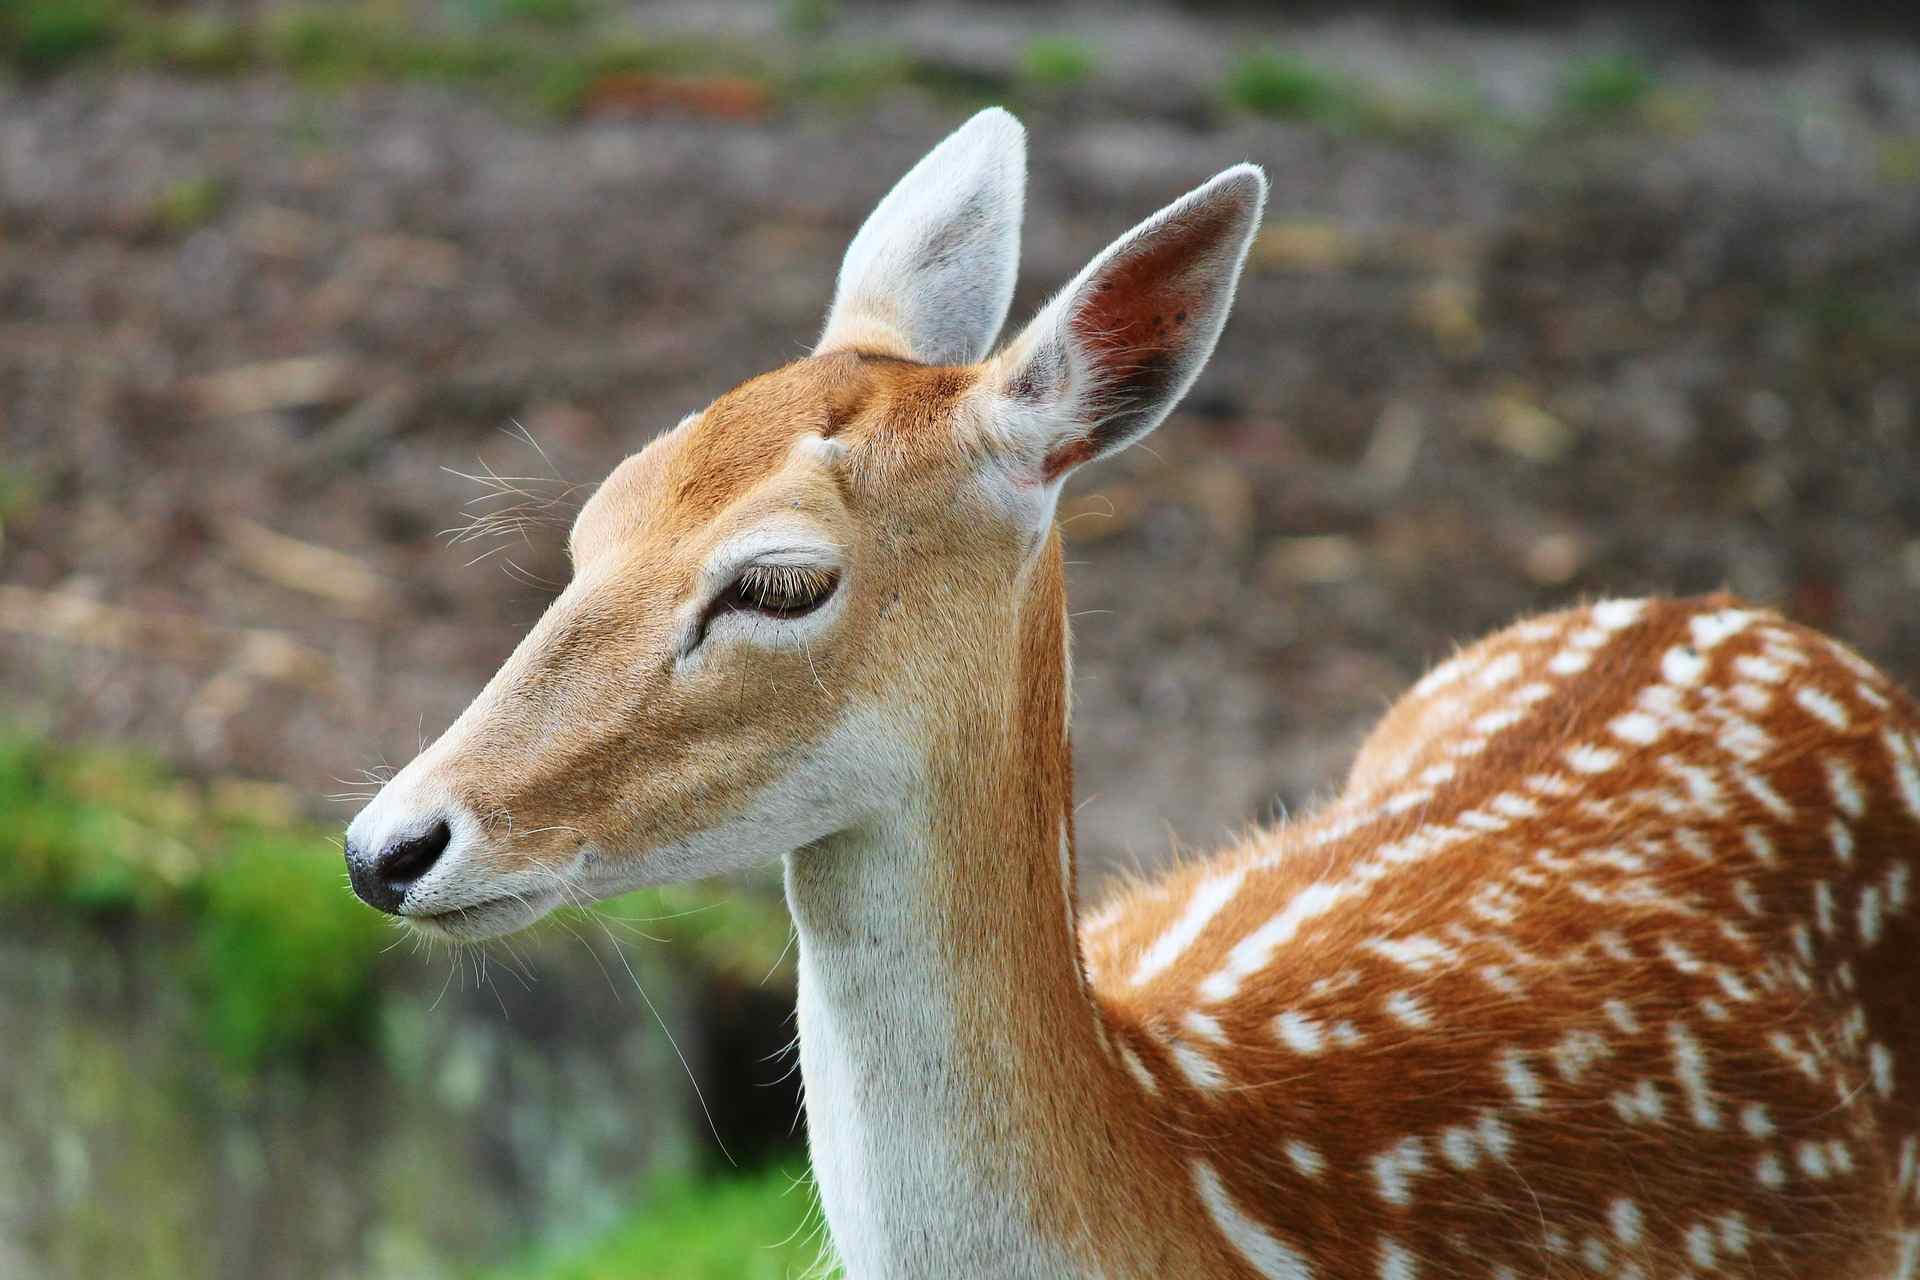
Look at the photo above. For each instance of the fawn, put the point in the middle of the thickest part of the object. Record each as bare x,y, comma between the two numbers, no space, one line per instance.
1598,966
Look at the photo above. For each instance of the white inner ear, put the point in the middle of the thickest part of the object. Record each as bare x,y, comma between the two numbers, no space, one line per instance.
930,275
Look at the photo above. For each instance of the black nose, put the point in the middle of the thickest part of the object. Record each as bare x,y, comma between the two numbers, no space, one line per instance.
382,879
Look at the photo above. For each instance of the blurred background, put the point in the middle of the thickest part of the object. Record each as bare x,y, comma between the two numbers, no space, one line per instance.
317,320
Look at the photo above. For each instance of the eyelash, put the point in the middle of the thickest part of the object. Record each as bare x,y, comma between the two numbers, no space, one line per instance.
773,590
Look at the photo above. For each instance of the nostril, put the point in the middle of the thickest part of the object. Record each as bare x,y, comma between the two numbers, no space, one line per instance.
407,860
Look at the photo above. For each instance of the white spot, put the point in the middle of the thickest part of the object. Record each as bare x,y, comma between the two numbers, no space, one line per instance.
1138,1070
1680,958
1212,894
1709,629
1643,1105
1621,1014
1625,1217
1822,707
1499,671
1307,1161
1823,907
1419,953
1700,1245
1906,774
1494,721
1870,915
1268,1256
1762,790
1880,1062
1690,1065
1395,1262
1770,1172
1393,1169
1681,665
1404,1007
1840,1155
1749,898
1255,951
1840,836
1591,759
1808,1063
1594,1252
1731,983
1760,845
1755,1120
1636,727
1899,881
1299,1032
1907,1266
1614,615
1520,1080
1570,662
1754,667
1435,774
1511,805
1460,1148
1346,1035
1206,1026
1201,1071
1497,977
1733,1234
1813,1161
1494,1135
1845,785
1575,1052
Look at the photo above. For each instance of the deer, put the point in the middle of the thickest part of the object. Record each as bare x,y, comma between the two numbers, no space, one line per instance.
1600,964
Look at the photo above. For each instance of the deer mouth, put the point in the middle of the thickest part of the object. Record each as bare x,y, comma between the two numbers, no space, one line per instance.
488,918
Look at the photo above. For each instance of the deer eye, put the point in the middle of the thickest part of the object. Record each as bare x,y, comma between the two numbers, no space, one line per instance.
779,590
771,591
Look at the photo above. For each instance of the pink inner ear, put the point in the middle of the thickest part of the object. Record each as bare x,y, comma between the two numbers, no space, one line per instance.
1140,316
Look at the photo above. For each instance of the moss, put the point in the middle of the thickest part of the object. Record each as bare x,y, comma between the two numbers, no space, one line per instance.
758,1227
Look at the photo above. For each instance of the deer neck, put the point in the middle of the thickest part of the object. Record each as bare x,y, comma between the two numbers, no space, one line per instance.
944,1017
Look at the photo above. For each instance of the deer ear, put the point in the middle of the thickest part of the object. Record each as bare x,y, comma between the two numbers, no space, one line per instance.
931,273
1109,357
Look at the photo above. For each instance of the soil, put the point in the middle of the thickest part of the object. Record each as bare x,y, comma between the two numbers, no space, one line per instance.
249,333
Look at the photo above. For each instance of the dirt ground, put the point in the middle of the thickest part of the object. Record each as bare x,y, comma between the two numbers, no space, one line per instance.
249,332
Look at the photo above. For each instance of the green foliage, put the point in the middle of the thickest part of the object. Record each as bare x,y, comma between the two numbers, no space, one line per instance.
40,36
752,1228
197,43
189,204
1057,62
556,15
1606,88
1284,86
285,957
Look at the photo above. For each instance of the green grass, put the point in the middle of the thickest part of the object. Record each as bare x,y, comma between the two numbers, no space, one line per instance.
1609,88
759,1227
1285,86
41,36
284,958
1057,62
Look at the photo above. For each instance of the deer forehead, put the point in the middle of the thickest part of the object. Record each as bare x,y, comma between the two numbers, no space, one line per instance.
775,451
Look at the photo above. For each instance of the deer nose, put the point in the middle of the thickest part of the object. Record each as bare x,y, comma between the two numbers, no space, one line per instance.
382,879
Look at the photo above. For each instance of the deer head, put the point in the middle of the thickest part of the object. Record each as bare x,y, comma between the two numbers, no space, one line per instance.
780,606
